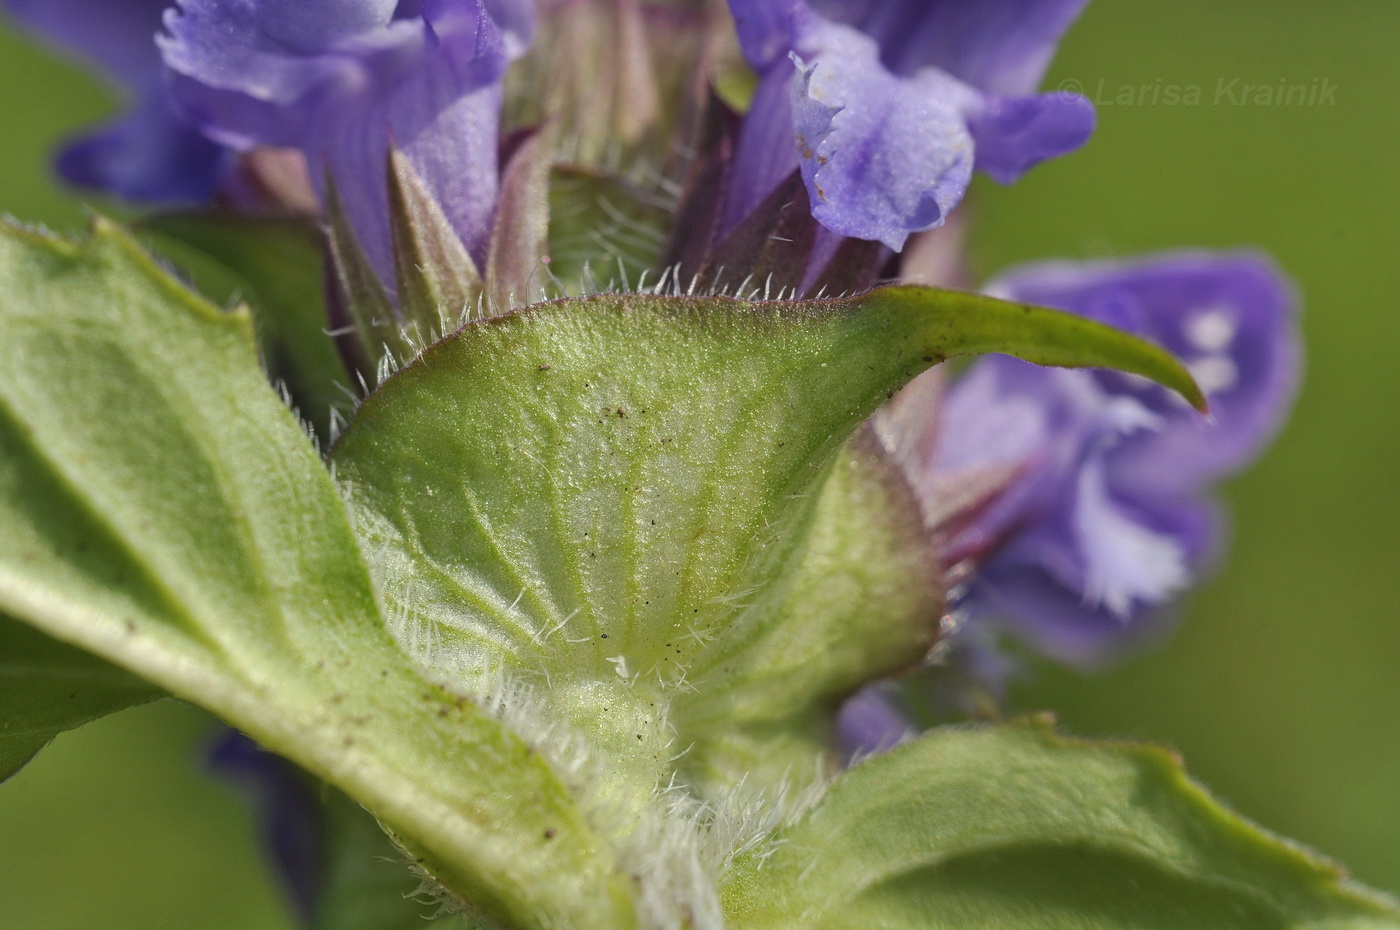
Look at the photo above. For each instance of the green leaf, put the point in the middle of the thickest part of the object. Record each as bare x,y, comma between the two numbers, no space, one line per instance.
593,214
163,511
621,498
516,268
812,636
274,264
1014,827
361,293
47,687
438,283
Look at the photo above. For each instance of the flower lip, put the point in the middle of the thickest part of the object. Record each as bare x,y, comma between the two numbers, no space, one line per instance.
150,153
1110,517
894,104
429,84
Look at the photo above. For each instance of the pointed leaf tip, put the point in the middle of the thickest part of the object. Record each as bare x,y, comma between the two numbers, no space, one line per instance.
1038,335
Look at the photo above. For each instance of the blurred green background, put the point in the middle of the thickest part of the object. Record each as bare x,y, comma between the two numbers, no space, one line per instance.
1281,688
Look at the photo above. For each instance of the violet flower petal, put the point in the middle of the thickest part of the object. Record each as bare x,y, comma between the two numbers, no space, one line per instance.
429,85
870,722
151,153
1229,317
882,156
997,46
769,29
1014,134
116,35
894,104
1022,596
764,153
288,813
1110,517
312,25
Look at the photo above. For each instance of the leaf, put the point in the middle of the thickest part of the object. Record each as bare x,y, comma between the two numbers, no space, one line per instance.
47,687
812,636
855,264
594,214
700,208
360,292
163,511
275,265
611,496
1014,827
516,266
438,283
770,248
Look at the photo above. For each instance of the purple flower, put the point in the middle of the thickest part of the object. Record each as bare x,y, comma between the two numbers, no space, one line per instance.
872,721
887,107
151,153
284,800
343,81
1108,517
967,681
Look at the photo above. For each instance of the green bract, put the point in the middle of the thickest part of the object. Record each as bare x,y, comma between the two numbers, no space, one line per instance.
1013,827
571,609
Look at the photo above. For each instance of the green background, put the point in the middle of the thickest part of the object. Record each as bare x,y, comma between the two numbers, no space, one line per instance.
1280,688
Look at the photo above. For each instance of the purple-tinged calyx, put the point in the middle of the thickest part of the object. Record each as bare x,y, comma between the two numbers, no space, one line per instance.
151,153
344,82
887,108
1109,516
